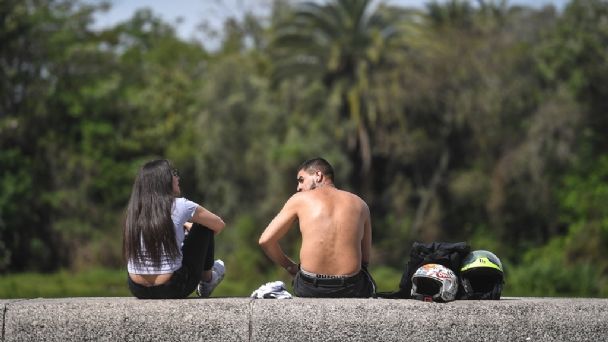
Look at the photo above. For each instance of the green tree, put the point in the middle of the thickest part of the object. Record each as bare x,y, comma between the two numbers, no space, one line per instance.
80,111
38,38
461,116
572,59
340,43
574,54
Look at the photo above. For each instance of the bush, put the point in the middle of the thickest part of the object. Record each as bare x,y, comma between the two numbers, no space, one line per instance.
547,272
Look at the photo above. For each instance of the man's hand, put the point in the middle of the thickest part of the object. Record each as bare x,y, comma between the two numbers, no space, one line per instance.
292,269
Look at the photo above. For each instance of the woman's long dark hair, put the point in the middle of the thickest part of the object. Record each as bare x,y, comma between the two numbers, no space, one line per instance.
148,216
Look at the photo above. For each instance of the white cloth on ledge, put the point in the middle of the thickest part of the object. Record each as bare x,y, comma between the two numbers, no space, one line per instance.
272,290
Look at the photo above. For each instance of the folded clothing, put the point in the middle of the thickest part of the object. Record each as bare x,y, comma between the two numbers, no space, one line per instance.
272,290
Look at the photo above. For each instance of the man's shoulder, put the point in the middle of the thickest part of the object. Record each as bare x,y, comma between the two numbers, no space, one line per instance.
323,195
352,195
297,198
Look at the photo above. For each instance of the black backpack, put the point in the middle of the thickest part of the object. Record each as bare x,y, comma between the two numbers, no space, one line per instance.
448,254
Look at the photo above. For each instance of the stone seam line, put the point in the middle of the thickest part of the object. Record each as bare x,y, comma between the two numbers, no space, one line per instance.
3,322
4,311
250,319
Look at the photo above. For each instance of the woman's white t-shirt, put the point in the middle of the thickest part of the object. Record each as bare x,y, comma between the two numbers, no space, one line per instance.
182,211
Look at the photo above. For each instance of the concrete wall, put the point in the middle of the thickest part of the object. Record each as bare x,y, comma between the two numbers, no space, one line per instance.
244,319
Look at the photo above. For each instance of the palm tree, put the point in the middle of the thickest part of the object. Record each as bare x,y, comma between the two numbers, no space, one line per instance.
339,43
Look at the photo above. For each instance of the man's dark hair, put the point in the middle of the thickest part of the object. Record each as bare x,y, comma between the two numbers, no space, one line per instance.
318,164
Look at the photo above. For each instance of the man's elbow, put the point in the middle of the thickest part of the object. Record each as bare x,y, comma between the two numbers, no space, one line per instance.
262,241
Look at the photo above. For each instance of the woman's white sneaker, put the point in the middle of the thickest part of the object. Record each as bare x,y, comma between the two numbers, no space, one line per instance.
205,288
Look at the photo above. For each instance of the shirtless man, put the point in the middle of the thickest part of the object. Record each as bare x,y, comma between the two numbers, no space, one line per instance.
336,236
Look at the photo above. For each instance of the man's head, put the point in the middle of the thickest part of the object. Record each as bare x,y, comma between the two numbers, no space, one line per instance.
313,173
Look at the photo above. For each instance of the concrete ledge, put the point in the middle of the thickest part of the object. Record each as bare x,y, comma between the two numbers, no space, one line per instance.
244,319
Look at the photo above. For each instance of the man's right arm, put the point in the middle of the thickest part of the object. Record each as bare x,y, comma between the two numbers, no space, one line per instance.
278,227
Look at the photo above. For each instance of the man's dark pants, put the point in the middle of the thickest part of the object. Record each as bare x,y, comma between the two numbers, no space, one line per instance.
360,285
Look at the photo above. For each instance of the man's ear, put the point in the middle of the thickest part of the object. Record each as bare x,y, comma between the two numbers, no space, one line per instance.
319,176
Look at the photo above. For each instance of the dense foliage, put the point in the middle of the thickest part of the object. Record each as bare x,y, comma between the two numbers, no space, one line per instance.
463,121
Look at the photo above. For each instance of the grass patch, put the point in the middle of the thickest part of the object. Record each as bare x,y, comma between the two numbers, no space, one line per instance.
387,279
102,282
99,282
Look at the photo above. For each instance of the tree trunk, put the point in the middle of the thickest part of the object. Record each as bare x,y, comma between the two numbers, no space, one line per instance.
429,193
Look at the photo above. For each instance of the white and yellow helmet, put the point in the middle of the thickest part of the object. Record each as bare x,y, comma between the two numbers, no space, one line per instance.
434,283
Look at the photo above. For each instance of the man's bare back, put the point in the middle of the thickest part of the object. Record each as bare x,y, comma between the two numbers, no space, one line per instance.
335,227
332,223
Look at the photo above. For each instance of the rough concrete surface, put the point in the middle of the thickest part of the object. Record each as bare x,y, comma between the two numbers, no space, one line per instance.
300,319
511,319
127,319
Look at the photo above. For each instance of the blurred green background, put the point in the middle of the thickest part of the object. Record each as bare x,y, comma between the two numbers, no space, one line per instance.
472,121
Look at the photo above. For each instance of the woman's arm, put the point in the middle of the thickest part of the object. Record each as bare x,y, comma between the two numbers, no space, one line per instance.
208,219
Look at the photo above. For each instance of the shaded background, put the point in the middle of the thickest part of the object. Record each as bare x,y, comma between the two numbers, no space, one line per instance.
477,121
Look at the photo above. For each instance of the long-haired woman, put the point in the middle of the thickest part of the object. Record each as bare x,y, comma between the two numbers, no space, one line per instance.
168,241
